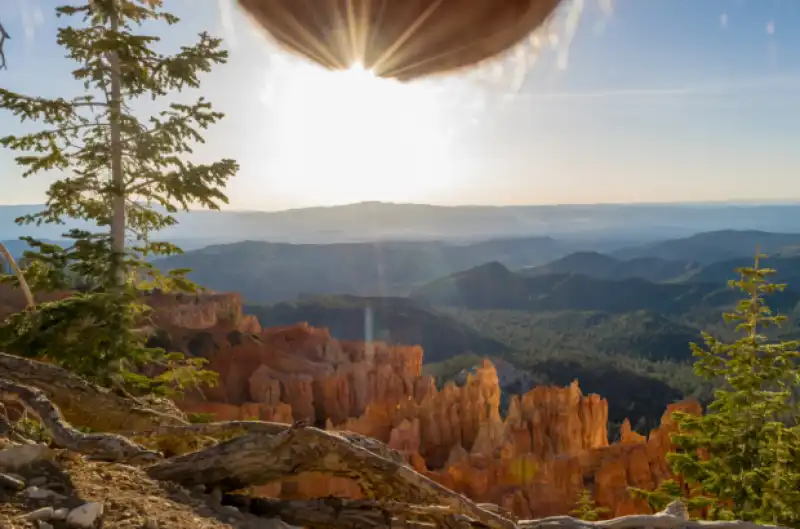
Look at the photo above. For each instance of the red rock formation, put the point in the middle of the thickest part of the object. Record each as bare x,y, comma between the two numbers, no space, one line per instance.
552,444
201,311
317,377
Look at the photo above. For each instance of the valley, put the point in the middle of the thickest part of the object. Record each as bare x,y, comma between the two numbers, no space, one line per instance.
619,322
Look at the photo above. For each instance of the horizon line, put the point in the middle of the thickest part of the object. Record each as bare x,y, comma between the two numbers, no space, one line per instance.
725,202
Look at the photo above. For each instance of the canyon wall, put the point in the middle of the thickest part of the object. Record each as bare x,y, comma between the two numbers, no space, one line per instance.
551,445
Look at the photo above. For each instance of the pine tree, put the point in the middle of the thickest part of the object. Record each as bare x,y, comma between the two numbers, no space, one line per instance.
586,509
742,458
125,176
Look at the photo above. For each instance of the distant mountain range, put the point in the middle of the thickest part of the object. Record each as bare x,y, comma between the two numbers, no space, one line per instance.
715,246
493,287
270,272
602,266
600,227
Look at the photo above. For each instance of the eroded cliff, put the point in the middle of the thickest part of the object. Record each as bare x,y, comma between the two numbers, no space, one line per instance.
552,444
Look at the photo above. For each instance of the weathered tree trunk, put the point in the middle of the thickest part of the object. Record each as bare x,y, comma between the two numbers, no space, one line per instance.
102,446
85,404
261,429
15,268
331,513
256,459
118,197
3,37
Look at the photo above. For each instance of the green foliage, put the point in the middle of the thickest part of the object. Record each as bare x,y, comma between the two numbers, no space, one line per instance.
33,430
743,456
201,418
586,509
669,491
125,176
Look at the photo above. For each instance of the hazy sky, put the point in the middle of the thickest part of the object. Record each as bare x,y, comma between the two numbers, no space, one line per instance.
656,100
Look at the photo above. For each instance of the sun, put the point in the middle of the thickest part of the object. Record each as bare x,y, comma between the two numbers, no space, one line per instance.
349,136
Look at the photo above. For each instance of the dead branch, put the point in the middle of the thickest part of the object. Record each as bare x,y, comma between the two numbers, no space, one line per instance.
84,404
256,459
654,521
23,284
3,37
102,446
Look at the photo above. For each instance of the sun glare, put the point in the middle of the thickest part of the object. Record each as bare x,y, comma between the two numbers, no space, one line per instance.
350,136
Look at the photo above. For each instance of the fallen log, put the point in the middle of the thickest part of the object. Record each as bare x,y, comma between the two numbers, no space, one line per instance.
331,513
86,404
259,457
354,514
227,429
99,446
256,459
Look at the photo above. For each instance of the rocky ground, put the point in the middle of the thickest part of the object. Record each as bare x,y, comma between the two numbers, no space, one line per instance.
55,489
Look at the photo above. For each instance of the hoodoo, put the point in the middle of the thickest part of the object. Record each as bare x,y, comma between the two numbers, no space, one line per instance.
402,39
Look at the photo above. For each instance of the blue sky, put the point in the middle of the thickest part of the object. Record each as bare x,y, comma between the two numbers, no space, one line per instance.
656,100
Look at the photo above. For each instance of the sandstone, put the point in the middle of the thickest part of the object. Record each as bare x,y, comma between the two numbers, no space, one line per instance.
551,445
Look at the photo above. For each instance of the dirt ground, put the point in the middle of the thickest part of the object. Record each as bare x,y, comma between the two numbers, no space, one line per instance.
131,500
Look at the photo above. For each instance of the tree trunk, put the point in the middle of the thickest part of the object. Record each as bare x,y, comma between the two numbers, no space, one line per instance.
20,276
332,513
117,176
102,446
256,459
85,404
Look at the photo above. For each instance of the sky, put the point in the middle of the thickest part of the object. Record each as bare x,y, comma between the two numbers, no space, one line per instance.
645,101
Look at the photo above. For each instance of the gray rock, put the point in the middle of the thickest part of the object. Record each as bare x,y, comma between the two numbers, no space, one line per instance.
21,456
215,498
60,514
86,516
45,525
38,481
230,509
35,493
44,514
